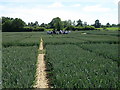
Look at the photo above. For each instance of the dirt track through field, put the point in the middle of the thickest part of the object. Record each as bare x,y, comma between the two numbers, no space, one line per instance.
41,80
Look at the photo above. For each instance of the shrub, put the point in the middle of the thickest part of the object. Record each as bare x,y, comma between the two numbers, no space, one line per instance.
39,29
28,29
89,28
49,29
79,28
34,29
70,28
85,28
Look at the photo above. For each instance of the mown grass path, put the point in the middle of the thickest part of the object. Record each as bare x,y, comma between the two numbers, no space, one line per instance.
41,80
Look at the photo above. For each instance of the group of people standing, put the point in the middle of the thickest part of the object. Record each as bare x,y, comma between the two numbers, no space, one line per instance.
58,32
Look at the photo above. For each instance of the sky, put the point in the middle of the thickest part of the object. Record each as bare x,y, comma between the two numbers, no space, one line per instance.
44,11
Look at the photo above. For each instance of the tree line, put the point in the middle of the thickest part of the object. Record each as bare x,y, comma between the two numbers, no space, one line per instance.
18,25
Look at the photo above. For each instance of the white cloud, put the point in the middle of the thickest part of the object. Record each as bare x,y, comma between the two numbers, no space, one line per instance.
76,5
24,0
55,0
18,0
40,14
46,12
96,8
2,7
116,1
56,4
59,4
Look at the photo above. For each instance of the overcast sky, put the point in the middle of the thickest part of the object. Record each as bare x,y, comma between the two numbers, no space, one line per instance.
44,11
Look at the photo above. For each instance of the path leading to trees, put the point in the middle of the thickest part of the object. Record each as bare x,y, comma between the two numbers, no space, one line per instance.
41,80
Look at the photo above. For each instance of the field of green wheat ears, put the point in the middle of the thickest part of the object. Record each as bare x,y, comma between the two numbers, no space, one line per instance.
74,60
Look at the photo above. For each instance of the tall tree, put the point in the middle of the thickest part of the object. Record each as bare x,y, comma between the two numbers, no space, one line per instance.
73,23
42,25
18,23
56,23
97,24
7,25
10,24
69,22
79,23
36,23
114,25
29,24
108,25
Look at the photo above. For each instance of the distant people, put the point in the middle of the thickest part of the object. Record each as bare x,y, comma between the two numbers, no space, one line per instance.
54,32
58,32
65,32
49,32
61,32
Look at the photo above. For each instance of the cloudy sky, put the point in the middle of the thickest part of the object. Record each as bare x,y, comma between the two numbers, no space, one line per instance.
44,11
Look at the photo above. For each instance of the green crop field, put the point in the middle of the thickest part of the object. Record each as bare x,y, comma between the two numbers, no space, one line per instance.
74,67
81,60
19,65
19,59
74,60
113,28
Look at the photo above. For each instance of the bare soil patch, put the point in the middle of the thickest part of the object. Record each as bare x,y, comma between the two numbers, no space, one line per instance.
41,80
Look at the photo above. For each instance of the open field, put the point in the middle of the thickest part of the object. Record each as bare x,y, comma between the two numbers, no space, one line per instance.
19,59
81,61
113,28
19,65
75,67
109,28
74,60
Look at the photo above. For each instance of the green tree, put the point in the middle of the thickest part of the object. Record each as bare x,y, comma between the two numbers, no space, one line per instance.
114,25
68,23
65,23
29,24
108,25
73,23
17,24
6,24
10,24
97,24
42,25
56,24
36,23
79,23
70,27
